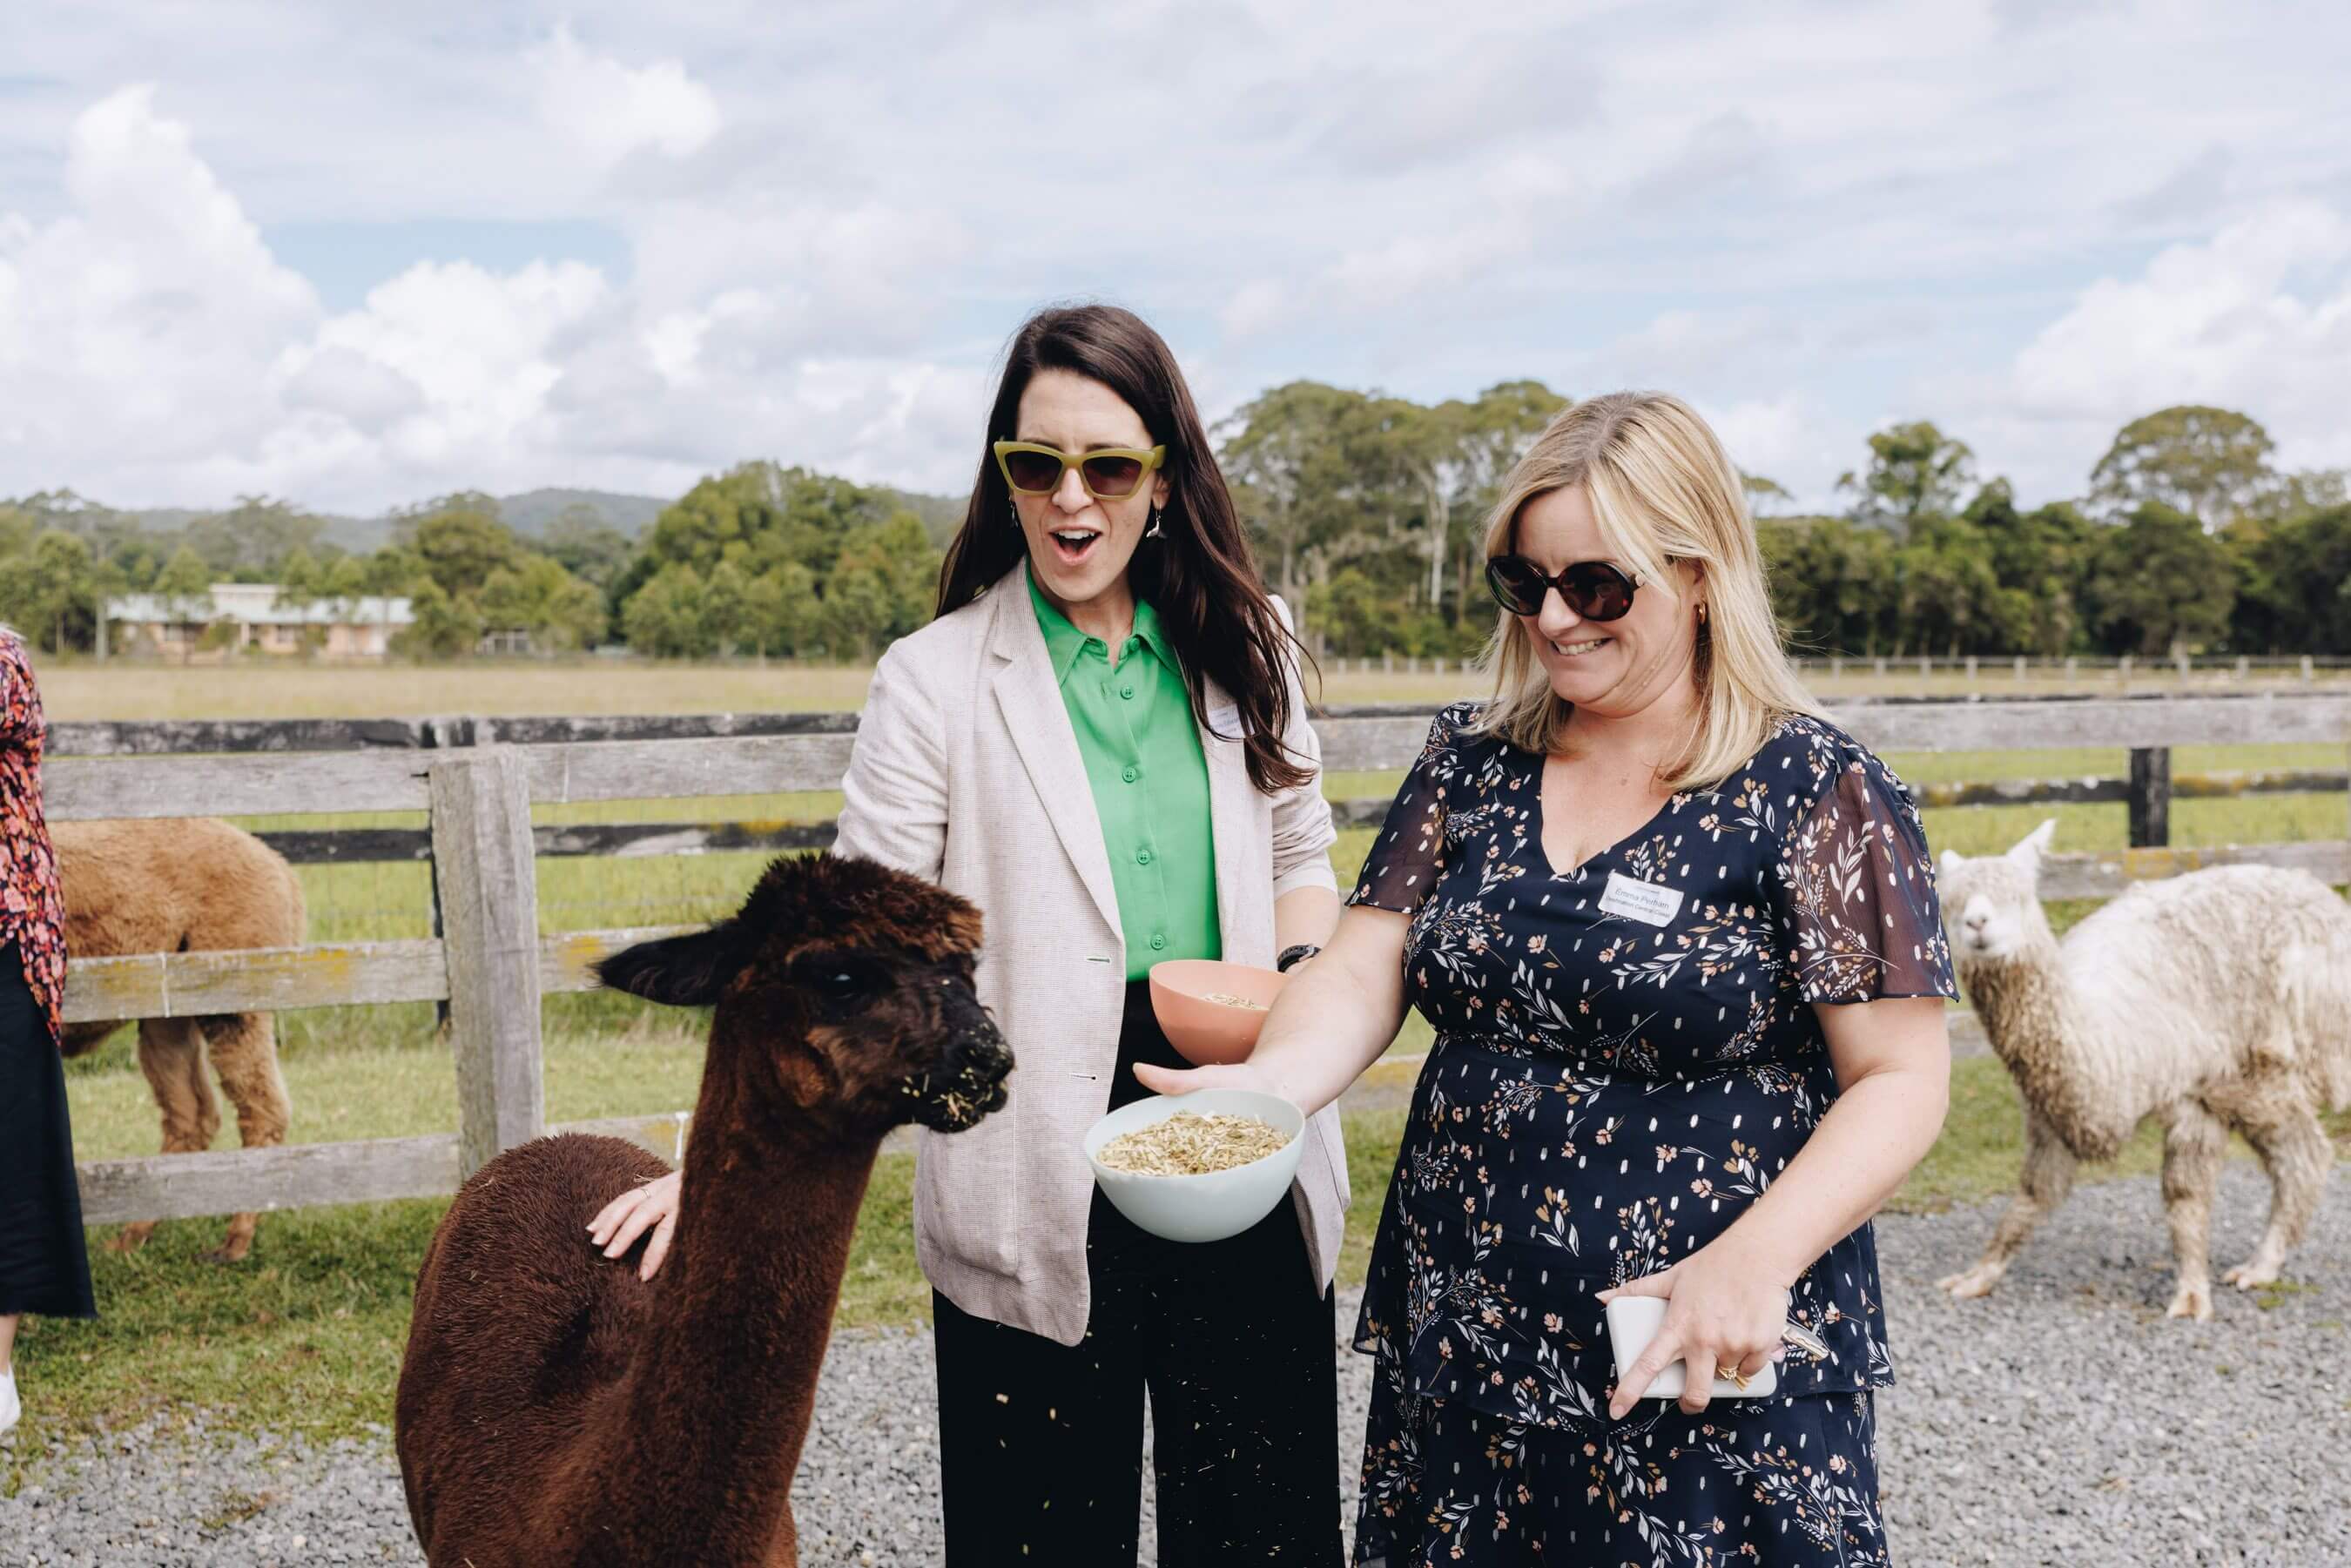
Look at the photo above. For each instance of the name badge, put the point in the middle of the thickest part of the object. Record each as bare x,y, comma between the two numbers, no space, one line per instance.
1650,902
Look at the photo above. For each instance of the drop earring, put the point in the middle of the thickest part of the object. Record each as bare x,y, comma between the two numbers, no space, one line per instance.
1014,507
1153,532
1701,612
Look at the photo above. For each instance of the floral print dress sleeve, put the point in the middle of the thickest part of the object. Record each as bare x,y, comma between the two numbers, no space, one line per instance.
32,909
1856,887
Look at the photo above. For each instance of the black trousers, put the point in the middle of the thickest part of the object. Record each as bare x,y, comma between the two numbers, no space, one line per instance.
1040,1444
44,1263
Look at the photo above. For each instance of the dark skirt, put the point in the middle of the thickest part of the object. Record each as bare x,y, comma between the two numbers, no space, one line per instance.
43,1264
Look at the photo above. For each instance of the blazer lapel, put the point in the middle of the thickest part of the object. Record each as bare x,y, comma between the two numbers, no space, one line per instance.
1030,700
1231,797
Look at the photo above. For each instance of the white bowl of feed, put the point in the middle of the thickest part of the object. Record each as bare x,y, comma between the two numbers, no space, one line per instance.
1176,1182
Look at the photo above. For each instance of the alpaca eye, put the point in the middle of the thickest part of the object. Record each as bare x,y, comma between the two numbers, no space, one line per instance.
840,980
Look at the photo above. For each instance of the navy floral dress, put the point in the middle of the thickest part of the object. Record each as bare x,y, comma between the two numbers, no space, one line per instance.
1626,1055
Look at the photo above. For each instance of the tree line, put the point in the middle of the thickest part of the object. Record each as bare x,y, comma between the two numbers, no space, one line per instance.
1366,511
762,559
2187,536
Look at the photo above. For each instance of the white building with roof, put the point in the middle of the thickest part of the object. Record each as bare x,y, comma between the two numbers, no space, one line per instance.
175,627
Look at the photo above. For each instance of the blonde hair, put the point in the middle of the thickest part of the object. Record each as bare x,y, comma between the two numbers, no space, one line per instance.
1662,490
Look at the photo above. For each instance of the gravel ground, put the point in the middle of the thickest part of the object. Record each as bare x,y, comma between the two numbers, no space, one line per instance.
2062,1421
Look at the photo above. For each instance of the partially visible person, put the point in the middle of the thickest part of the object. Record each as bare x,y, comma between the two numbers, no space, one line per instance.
43,1266
1679,937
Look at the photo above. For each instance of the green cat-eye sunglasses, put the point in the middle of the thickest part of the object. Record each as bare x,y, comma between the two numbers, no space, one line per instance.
1108,473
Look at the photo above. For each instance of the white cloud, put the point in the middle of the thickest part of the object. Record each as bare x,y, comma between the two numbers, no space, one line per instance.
2256,318
1809,219
609,109
152,350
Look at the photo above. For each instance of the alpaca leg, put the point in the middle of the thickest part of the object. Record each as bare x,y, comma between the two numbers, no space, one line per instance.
2194,1143
244,1054
2047,1177
171,1054
2297,1154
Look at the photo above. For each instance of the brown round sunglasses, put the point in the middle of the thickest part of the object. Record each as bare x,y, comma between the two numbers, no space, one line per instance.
1593,589
1108,473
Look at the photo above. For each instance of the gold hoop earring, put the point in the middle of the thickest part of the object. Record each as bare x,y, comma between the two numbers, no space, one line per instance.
1701,612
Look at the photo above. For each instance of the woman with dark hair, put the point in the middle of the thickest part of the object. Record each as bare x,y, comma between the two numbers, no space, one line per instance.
1101,741
43,1267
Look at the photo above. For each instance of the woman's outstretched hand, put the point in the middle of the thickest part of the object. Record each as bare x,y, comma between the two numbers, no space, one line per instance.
618,1225
1231,1076
1724,1317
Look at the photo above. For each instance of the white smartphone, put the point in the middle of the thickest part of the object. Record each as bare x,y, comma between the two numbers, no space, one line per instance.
1632,1323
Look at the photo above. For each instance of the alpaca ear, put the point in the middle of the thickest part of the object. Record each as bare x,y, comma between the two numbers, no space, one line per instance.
2034,844
1948,861
688,971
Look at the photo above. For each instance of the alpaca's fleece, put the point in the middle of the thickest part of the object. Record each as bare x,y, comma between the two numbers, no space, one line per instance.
186,884
555,1409
2215,1002
2174,988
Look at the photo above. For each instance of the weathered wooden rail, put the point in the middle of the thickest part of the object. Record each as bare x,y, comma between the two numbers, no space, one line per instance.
477,780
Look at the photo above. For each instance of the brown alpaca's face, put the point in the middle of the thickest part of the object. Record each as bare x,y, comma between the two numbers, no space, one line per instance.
843,992
889,1038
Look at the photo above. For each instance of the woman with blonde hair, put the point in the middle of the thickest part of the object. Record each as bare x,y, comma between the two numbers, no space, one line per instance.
1678,936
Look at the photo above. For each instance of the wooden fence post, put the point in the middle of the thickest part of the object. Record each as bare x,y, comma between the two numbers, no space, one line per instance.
487,885
1836,666
2150,796
1972,669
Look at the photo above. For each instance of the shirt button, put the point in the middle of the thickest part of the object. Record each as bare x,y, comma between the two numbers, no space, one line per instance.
1159,940
1143,857
1127,691
1131,774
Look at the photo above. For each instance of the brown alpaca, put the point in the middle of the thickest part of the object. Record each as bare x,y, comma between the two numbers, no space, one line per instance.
555,1411
182,885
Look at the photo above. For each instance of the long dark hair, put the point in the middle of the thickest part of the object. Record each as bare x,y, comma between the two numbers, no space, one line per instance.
1199,575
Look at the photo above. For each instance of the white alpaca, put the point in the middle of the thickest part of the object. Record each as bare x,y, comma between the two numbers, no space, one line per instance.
2214,1001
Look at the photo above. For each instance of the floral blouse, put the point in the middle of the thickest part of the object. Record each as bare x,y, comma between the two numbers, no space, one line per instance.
1627,1052
32,912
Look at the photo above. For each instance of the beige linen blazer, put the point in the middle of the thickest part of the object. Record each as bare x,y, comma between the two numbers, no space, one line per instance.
965,771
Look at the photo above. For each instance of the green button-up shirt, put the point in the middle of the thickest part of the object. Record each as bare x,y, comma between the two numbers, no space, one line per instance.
1149,782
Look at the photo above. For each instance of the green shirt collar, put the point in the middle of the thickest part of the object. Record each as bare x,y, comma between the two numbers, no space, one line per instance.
1065,644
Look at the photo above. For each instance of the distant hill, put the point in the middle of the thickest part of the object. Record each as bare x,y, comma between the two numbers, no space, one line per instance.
529,513
941,515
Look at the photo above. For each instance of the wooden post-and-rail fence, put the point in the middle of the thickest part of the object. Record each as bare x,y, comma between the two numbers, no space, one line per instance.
477,780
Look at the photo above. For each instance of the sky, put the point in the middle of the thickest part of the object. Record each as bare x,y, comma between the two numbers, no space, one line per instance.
355,255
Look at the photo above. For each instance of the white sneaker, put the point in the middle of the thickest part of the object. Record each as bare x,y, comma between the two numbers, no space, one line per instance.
10,1406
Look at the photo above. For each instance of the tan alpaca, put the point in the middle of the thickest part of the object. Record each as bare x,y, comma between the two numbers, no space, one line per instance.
2216,1001
174,885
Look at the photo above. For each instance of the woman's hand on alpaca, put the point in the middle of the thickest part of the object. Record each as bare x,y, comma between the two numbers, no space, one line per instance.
650,1207
1724,1313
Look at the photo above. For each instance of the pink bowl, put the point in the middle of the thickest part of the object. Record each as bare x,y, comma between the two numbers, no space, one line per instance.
1207,1033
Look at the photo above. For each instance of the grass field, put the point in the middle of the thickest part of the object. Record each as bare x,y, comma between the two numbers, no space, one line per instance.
307,1336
